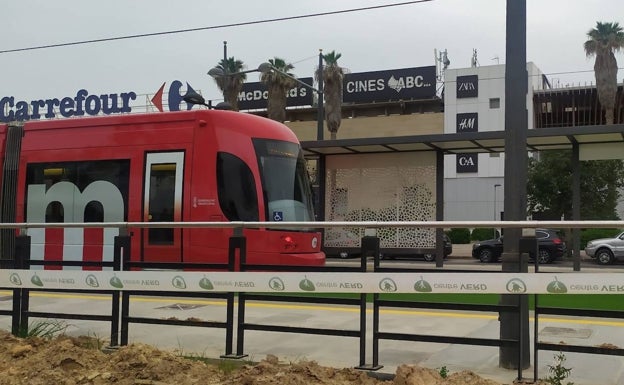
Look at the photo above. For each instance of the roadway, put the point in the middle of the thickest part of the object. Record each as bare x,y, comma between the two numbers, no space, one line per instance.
461,259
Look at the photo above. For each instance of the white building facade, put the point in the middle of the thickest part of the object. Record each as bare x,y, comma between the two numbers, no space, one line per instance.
474,101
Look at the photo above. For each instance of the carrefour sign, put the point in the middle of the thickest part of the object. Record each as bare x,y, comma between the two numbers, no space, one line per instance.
81,104
86,104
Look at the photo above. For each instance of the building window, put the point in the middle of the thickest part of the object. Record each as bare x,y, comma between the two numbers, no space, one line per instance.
494,102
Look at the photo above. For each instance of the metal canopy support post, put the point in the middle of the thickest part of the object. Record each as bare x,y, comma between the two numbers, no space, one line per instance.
439,207
515,326
576,205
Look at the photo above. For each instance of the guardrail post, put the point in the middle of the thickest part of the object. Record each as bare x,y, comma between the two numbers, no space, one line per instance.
22,255
528,245
237,242
370,247
121,256
22,258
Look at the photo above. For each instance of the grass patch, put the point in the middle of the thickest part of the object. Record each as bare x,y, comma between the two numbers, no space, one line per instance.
45,329
580,301
570,301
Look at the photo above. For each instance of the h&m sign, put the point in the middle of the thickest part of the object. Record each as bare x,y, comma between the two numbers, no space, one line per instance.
467,122
467,86
467,163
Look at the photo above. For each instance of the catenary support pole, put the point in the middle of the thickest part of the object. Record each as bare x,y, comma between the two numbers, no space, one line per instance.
516,82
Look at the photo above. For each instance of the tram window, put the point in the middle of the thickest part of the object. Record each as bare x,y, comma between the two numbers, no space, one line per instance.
55,213
94,212
236,188
69,186
161,201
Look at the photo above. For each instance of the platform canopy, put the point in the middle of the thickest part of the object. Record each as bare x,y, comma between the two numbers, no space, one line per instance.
595,142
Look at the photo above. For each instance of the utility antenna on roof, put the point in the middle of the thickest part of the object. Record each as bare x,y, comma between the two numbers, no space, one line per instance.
441,58
474,62
442,62
497,59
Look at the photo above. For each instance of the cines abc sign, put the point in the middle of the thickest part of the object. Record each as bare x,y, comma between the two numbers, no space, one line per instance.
399,84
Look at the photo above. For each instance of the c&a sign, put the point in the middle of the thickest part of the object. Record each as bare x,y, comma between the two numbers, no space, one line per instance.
467,163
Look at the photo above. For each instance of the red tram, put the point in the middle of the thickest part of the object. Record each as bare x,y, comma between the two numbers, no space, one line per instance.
206,165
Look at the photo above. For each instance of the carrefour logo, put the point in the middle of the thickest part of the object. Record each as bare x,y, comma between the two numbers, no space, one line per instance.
81,104
175,97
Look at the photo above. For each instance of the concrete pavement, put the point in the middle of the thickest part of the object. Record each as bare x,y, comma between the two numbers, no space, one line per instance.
334,351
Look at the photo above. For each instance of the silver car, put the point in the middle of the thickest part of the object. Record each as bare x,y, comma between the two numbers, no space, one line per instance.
606,250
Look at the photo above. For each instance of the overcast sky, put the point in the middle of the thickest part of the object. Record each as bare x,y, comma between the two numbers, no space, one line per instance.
381,39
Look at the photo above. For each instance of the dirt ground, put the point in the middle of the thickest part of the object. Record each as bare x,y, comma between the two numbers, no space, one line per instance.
70,360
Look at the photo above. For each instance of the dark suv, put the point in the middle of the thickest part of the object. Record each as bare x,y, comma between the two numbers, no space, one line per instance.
448,249
550,247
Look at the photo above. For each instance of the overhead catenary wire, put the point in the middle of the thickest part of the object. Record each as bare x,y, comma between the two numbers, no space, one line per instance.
230,25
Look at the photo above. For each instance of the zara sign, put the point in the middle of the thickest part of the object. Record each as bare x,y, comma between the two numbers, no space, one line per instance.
467,86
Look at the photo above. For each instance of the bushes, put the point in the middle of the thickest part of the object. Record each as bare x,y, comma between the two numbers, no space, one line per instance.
480,234
589,234
459,236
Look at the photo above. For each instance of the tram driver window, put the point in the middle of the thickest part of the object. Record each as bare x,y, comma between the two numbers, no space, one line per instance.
236,188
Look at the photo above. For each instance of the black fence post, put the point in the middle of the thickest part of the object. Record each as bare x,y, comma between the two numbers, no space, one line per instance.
237,242
527,245
21,256
371,245
121,257
369,248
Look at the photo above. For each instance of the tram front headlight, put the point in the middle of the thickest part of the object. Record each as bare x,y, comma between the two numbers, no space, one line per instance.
289,243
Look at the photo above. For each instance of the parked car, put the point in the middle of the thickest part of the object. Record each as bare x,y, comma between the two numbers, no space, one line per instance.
448,249
606,250
550,247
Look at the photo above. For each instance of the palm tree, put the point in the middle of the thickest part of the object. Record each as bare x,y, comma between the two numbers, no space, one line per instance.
231,85
604,40
332,91
278,86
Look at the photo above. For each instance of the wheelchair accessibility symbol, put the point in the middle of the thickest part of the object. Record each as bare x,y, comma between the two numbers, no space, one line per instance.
278,216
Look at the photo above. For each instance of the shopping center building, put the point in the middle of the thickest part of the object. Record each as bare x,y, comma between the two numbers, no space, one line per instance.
396,157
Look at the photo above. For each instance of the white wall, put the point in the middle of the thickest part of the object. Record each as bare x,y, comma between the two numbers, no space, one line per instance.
470,196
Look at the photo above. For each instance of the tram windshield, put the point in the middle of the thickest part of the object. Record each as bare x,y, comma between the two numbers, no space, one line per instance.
285,181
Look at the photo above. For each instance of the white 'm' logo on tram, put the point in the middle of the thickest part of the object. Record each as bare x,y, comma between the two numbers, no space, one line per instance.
73,203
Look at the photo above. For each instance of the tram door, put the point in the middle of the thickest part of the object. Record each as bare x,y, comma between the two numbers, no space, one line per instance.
162,202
